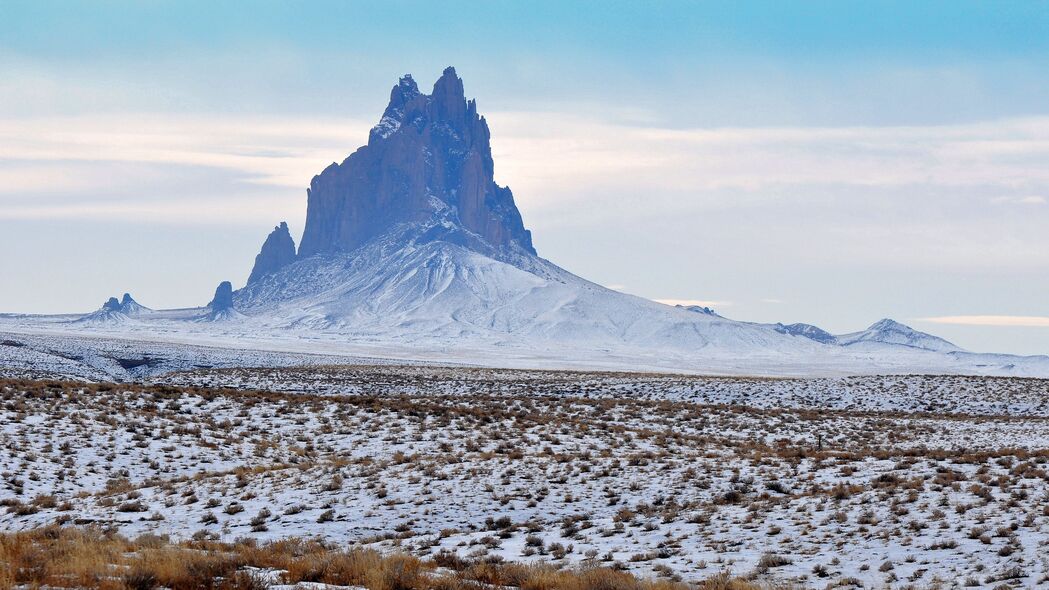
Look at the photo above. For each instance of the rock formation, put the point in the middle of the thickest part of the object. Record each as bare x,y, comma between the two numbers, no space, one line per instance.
428,163
129,306
223,300
277,252
116,310
807,331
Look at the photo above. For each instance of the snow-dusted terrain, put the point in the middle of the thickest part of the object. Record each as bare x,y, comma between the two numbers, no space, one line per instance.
416,378
660,475
438,302
402,299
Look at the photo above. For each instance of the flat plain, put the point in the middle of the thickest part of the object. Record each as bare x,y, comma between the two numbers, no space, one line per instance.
857,481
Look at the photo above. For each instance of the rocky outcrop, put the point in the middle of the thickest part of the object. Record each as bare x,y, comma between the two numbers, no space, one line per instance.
223,300
277,252
116,310
129,306
807,331
698,309
428,162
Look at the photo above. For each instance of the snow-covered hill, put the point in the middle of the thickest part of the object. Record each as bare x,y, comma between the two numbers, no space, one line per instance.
887,331
411,290
116,311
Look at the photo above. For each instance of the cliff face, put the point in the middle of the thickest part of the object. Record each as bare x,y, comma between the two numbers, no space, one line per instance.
223,299
427,162
277,252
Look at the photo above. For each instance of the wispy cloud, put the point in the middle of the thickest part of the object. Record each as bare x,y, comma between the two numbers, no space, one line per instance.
550,159
699,302
280,151
991,320
167,168
1023,200
551,156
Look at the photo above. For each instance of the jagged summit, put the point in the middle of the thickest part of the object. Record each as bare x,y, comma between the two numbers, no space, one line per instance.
277,252
807,331
116,310
111,304
428,164
129,306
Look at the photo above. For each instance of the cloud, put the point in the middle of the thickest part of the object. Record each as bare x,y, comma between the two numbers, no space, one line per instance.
197,210
699,302
553,156
278,151
854,184
991,320
1027,200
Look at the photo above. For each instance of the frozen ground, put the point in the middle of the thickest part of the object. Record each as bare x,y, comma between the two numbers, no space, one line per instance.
92,357
937,395
817,481
465,309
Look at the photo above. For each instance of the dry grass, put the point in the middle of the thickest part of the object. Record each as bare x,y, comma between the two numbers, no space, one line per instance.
704,487
65,557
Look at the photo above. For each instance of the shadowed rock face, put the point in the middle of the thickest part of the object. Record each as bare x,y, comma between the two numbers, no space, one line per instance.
807,331
277,252
428,161
223,299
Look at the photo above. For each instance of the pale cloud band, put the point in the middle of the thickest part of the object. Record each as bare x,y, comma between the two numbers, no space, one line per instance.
991,320
548,158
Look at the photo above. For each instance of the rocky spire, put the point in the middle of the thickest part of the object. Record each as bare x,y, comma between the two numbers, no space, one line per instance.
277,252
129,306
427,164
223,300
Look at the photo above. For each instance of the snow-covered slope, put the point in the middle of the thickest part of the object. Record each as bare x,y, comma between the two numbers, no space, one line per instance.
891,332
416,291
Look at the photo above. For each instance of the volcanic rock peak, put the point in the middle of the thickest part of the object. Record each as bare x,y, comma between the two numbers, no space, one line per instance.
223,300
428,164
277,252
111,304
125,305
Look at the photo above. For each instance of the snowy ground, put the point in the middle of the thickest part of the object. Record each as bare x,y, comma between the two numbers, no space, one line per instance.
92,357
178,340
818,481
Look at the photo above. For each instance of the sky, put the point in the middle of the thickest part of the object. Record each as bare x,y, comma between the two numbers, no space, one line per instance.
824,162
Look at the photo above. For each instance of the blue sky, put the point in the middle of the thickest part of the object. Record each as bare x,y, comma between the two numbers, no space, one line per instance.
827,162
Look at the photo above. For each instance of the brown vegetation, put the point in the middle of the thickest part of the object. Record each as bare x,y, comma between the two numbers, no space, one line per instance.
65,557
